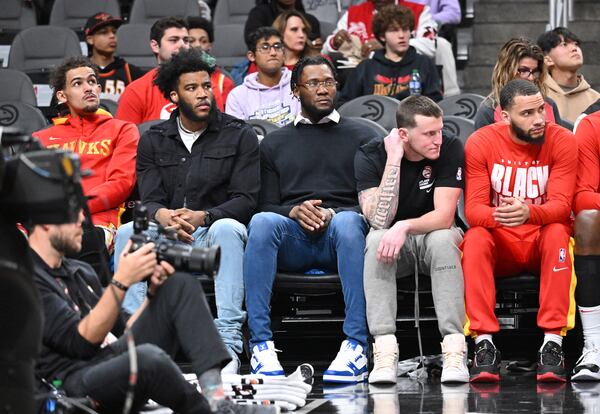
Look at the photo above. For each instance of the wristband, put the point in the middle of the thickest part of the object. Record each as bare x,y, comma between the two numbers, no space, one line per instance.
119,285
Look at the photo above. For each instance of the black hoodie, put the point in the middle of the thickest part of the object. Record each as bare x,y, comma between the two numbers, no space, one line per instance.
381,76
116,76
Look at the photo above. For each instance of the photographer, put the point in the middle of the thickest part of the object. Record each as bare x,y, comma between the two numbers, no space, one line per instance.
80,320
198,173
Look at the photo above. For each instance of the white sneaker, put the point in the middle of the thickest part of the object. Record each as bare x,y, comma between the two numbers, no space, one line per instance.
587,367
350,364
264,360
233,367
385,354
454,354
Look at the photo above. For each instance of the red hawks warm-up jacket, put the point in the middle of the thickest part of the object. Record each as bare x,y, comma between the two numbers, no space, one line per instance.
587,196
107,147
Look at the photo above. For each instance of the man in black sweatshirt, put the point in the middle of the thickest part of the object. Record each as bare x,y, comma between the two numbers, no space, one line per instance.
309,218
389,71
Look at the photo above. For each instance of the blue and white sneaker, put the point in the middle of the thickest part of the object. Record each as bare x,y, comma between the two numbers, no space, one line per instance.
350,364
264,360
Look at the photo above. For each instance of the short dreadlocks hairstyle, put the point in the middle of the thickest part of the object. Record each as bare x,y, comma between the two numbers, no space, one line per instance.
58,77
309,61
186,61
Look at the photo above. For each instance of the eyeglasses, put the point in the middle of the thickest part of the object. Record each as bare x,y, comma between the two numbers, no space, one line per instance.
526,72
314,84
265,47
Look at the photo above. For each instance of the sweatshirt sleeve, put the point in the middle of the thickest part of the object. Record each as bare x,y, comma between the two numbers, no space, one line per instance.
448,12
587,195
120,173
234,105
130,106
561,183
478,209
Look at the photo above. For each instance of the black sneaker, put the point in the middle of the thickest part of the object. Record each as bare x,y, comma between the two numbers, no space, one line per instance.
227,406
551,363
486,363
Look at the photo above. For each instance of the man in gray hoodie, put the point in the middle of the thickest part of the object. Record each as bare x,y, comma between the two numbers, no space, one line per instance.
265,94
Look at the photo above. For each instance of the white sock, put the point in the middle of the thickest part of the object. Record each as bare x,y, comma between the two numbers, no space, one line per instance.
552,337
481,337
590,321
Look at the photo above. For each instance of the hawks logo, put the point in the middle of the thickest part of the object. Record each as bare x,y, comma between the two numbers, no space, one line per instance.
385,85
427,172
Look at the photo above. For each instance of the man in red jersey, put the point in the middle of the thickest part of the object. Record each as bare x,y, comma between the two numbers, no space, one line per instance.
520,180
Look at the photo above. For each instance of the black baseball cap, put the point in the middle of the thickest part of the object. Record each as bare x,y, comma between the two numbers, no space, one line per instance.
100,20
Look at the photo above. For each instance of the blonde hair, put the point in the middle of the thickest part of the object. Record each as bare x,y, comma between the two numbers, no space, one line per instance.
507,64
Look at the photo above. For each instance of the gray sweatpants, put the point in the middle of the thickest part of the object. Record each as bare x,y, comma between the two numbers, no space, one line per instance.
439,256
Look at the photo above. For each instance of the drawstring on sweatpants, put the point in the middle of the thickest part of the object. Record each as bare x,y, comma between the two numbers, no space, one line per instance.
417,313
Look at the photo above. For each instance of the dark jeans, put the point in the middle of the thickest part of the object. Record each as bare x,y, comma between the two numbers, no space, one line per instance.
177,319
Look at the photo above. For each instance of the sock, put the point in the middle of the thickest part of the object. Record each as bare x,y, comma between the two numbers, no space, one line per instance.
551,337
590,321
481,337
212,387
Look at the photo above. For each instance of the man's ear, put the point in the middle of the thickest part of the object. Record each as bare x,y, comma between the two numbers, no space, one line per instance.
548,61
296,92
89,40
505,116
403,133
61,97
174,97
251,57
154,46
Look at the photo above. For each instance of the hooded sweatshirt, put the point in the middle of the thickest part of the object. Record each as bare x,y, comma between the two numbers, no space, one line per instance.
115,76
253,100
381,76
571,103
107,147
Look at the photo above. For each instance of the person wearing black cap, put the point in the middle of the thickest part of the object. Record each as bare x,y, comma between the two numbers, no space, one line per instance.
115,73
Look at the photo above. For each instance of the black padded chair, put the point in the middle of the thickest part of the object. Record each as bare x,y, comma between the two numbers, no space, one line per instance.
459,126
464,105
262,127
377,129
377,108
22,116
109,105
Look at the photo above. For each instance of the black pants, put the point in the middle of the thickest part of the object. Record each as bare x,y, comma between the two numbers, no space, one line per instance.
177,319
93,251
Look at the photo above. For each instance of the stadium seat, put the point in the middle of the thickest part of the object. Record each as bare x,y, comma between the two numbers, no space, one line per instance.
229,46
459,126
464,105
232,11
16,16
327,28
40,48
149,11
74,13
145,126
262,127
16,86
21,115
134,45
381,109
109,105
377,129
325,11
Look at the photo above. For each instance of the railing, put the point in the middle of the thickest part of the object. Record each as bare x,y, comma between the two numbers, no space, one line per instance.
561,13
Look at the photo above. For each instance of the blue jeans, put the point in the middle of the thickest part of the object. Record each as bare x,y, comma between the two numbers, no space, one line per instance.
278,242
229,284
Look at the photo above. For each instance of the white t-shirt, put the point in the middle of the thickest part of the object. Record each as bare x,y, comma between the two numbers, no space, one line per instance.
188,137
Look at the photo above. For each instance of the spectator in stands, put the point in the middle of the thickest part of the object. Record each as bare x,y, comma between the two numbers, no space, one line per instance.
395,178
309,217
294,29
265,94
198,173
586,206
520,181
447,15
106,146
565,85
114,72
201,35
356,23
82,322
142,101
266,11
389,71
519,58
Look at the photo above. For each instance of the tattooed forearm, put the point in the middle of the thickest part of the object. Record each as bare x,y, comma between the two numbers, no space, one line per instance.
380,204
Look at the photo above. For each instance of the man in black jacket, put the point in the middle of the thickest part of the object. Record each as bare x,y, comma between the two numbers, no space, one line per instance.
79,343
198,173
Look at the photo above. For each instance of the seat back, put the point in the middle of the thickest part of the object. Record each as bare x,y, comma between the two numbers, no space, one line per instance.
40,48
377,108
145,126
22,116
377,129
464,105
16,86
74,13
149,11
459,126
232,11
325,10
229,46
16,15
262,127
134,45
109,105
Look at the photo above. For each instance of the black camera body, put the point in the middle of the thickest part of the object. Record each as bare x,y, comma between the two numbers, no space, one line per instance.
181,256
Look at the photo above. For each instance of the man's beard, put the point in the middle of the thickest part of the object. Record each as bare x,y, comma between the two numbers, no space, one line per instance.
312,112
526,135
64,245
188,111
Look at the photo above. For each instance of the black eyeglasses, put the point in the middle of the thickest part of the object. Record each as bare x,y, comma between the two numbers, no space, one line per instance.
265,47
314,84
526,72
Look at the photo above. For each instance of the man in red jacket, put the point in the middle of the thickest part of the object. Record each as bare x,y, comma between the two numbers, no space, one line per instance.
520,180
106,146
